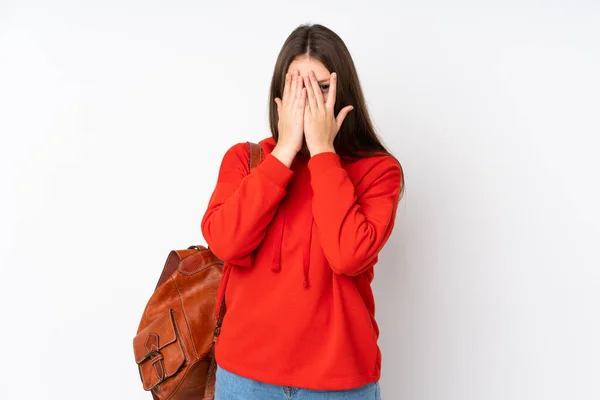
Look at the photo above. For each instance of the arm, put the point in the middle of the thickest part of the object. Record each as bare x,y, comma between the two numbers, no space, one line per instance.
243,204
353,230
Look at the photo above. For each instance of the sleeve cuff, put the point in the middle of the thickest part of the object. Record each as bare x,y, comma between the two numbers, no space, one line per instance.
275,171
323,162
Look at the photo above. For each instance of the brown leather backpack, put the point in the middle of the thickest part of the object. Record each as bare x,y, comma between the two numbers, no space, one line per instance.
174,345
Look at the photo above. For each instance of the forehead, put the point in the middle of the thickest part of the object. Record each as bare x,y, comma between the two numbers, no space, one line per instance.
305,63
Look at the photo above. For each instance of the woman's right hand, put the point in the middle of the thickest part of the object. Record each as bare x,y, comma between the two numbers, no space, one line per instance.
290,125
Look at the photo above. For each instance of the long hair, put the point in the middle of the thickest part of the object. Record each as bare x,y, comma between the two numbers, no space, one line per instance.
357,137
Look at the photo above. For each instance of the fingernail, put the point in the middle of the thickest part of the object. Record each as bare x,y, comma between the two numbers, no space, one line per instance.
334,75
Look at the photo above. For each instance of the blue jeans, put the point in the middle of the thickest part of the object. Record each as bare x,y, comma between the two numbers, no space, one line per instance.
229,386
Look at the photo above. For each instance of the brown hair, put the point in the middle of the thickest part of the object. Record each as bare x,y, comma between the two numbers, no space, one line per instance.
357,137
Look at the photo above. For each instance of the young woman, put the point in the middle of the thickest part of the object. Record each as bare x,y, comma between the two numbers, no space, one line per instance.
300,234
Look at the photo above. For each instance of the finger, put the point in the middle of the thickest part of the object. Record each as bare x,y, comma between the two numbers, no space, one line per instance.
316,89
312,100
299,85
342,115
302,99
286,86
292,92
332,91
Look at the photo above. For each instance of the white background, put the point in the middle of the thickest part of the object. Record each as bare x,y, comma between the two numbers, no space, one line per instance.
114,117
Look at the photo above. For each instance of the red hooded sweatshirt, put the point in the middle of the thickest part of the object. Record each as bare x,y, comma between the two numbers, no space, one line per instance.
299,245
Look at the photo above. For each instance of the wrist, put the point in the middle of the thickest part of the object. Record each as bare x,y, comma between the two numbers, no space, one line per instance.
285,154
322,149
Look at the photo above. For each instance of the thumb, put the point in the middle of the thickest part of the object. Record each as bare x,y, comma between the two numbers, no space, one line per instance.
342,115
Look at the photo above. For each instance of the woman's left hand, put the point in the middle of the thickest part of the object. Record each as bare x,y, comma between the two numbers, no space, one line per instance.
320,125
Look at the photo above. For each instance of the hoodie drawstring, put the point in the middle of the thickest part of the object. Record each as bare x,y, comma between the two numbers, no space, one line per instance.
278,228
307,253
279,223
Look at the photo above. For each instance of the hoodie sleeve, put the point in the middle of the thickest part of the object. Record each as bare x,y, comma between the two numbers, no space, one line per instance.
243,204
353,230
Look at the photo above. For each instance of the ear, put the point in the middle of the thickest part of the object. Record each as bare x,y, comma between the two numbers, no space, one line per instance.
278,102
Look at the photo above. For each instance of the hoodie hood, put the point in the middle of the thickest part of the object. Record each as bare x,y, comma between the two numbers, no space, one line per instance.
279,221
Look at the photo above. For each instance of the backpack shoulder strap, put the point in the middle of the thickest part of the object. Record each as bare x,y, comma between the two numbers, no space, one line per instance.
255,155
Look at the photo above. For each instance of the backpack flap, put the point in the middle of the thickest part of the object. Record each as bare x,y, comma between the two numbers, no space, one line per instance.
158,351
